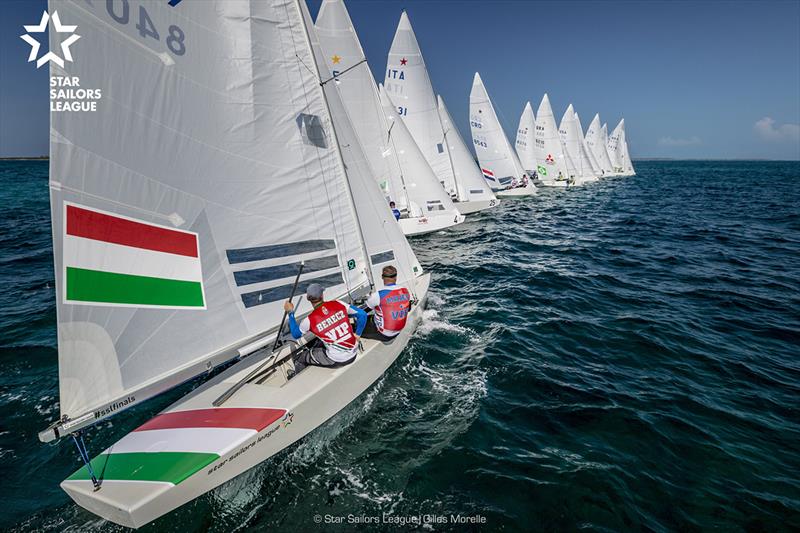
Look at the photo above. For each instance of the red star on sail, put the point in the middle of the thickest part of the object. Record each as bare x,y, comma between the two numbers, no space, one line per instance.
403,61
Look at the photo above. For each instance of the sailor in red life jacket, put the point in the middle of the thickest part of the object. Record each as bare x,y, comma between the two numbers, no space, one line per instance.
391,305
330,323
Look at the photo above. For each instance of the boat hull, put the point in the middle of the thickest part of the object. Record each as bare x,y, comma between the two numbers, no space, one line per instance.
466,208
301,404
422,225
519,191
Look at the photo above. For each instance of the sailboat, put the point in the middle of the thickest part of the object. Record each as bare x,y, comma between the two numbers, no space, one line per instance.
554,165
409,87
498,160
526,140
438,212
598,171
177,239
618,151
597,146
467,176
572,140
403,178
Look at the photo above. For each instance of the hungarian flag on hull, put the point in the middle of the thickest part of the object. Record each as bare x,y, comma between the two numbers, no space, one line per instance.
115,260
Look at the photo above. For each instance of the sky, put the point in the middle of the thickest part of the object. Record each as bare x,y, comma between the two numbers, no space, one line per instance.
710,80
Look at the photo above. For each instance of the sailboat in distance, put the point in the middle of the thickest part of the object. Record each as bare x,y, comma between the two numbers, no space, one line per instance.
526,140
598,171
168,266
572,140
467,176
618,151
554,166
409,87
498,160
597,145
402,176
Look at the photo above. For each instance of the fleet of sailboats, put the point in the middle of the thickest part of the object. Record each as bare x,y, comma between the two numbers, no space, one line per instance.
233,185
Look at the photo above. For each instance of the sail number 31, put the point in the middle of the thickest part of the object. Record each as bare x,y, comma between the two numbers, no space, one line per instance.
120,12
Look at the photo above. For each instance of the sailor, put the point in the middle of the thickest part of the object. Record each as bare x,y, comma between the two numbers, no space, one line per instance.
395,211
391,305
329,322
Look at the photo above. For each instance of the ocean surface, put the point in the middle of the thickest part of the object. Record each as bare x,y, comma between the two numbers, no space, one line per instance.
621,356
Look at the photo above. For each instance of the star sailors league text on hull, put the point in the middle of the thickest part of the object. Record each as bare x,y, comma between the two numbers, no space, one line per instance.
164,270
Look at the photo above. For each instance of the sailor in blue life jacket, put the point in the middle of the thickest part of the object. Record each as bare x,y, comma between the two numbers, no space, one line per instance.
395,211
337,342
391,305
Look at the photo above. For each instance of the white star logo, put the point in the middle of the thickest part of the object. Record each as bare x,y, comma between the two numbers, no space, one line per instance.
50,55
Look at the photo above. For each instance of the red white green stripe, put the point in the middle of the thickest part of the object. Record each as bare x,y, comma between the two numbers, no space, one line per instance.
173,446
115,260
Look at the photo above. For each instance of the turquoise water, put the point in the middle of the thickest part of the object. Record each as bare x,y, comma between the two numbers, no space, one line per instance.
621,356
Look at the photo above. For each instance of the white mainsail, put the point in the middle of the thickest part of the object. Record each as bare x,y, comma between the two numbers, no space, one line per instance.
345,58
554,167
409,87
429,200
166,265
526,139
597,145
498,160
618,149
468,177
572,140
598,171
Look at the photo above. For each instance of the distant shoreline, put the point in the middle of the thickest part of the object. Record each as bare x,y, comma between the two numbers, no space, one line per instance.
26,158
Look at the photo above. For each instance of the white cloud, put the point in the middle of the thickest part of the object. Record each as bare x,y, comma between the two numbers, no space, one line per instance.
765,128
670,141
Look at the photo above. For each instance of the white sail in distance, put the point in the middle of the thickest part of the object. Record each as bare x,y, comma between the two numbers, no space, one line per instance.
598,171
554,169
468,177
163,265
618,149
497,158
526,139
597,145
409,87
572,139
345,58
428,198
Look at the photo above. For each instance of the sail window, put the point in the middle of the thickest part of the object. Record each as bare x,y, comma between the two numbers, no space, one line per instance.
440,148
311,130
476,191
273,294
382,257
272,273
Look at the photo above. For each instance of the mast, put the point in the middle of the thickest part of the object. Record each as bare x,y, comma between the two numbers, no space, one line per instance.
351,201
450,158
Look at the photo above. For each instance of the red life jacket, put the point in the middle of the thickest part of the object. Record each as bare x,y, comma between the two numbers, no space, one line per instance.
393,309
330,324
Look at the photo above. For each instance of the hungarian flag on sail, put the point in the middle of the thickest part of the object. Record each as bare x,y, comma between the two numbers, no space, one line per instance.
114,260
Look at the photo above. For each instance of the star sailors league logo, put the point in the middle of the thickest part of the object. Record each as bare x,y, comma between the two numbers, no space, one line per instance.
40,29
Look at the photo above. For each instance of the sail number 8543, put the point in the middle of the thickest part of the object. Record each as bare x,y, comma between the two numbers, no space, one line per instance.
120,12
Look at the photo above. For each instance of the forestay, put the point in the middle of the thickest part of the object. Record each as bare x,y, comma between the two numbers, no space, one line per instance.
498,160
526,139
176,238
